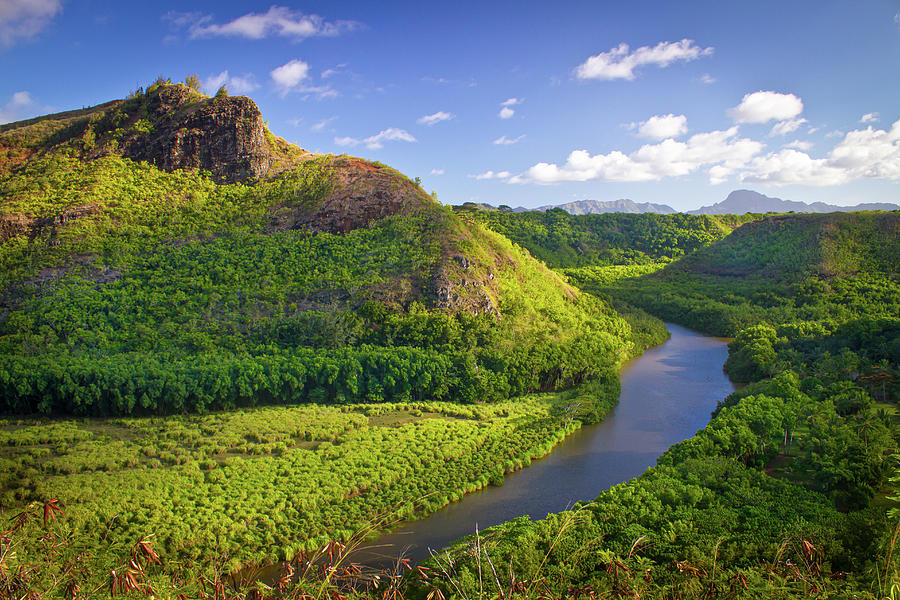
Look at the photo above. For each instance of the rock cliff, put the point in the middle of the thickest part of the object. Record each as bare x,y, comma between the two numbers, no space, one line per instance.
222,135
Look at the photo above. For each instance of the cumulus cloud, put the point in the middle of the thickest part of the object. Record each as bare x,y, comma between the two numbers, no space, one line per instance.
434,118
620,63
289,75
506,113
792,166
660,127
786,127
374,142
871,117
707,79
512,101
668,158
765,106
237,84
862,154
277,21
505,141
437,172
799,145
20,106
24,19
491,175
293,75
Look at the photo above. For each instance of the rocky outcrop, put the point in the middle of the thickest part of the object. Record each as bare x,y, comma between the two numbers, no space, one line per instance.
223,135
14,225
460,284
361,193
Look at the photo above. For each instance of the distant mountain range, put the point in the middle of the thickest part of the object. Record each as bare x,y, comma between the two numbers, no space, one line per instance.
587,207
742,201
738,202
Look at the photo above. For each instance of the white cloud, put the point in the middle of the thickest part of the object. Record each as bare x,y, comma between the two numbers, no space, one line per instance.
24,19
799,145
289,76
277,21
512,101
293,76
505,141
239,84
707,79
374,142
434,118
765,106
871,117
334,71
506,113
20,106
719,174
786,127
659,127
437,172
491,175
870,152
862,154
792,166
619,63
668,158
320,125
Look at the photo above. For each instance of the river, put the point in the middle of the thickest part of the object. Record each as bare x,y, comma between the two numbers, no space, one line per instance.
667,394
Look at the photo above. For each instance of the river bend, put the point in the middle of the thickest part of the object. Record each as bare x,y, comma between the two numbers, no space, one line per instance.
667,394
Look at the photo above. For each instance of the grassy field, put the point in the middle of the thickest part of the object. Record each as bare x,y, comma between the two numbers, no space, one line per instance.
253,486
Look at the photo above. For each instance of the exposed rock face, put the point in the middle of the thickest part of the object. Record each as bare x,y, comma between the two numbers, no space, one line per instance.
14,225
464,286
225,136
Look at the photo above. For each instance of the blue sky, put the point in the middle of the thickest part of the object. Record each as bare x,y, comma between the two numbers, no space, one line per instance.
518,103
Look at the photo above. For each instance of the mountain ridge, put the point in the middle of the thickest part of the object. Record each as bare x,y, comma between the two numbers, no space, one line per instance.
737,202
744,201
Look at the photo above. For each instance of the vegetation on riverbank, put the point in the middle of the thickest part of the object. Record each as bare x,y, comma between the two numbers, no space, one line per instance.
264,484
774,496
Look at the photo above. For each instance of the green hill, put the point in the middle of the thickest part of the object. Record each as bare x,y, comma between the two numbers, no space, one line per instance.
564,240
830,267
168,253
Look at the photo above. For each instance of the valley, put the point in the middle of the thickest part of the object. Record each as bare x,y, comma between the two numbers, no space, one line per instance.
220,351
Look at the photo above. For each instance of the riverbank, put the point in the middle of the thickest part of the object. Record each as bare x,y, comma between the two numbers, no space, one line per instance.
666,395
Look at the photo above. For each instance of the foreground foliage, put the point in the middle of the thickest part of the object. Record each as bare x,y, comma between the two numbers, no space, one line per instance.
268,483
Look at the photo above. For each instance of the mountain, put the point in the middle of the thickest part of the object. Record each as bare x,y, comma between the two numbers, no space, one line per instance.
588,207
739,202
167,253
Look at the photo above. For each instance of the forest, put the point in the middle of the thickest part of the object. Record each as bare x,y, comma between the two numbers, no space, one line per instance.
784,492
197,377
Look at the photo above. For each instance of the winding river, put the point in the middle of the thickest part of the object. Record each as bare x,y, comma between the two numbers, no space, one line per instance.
667,395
